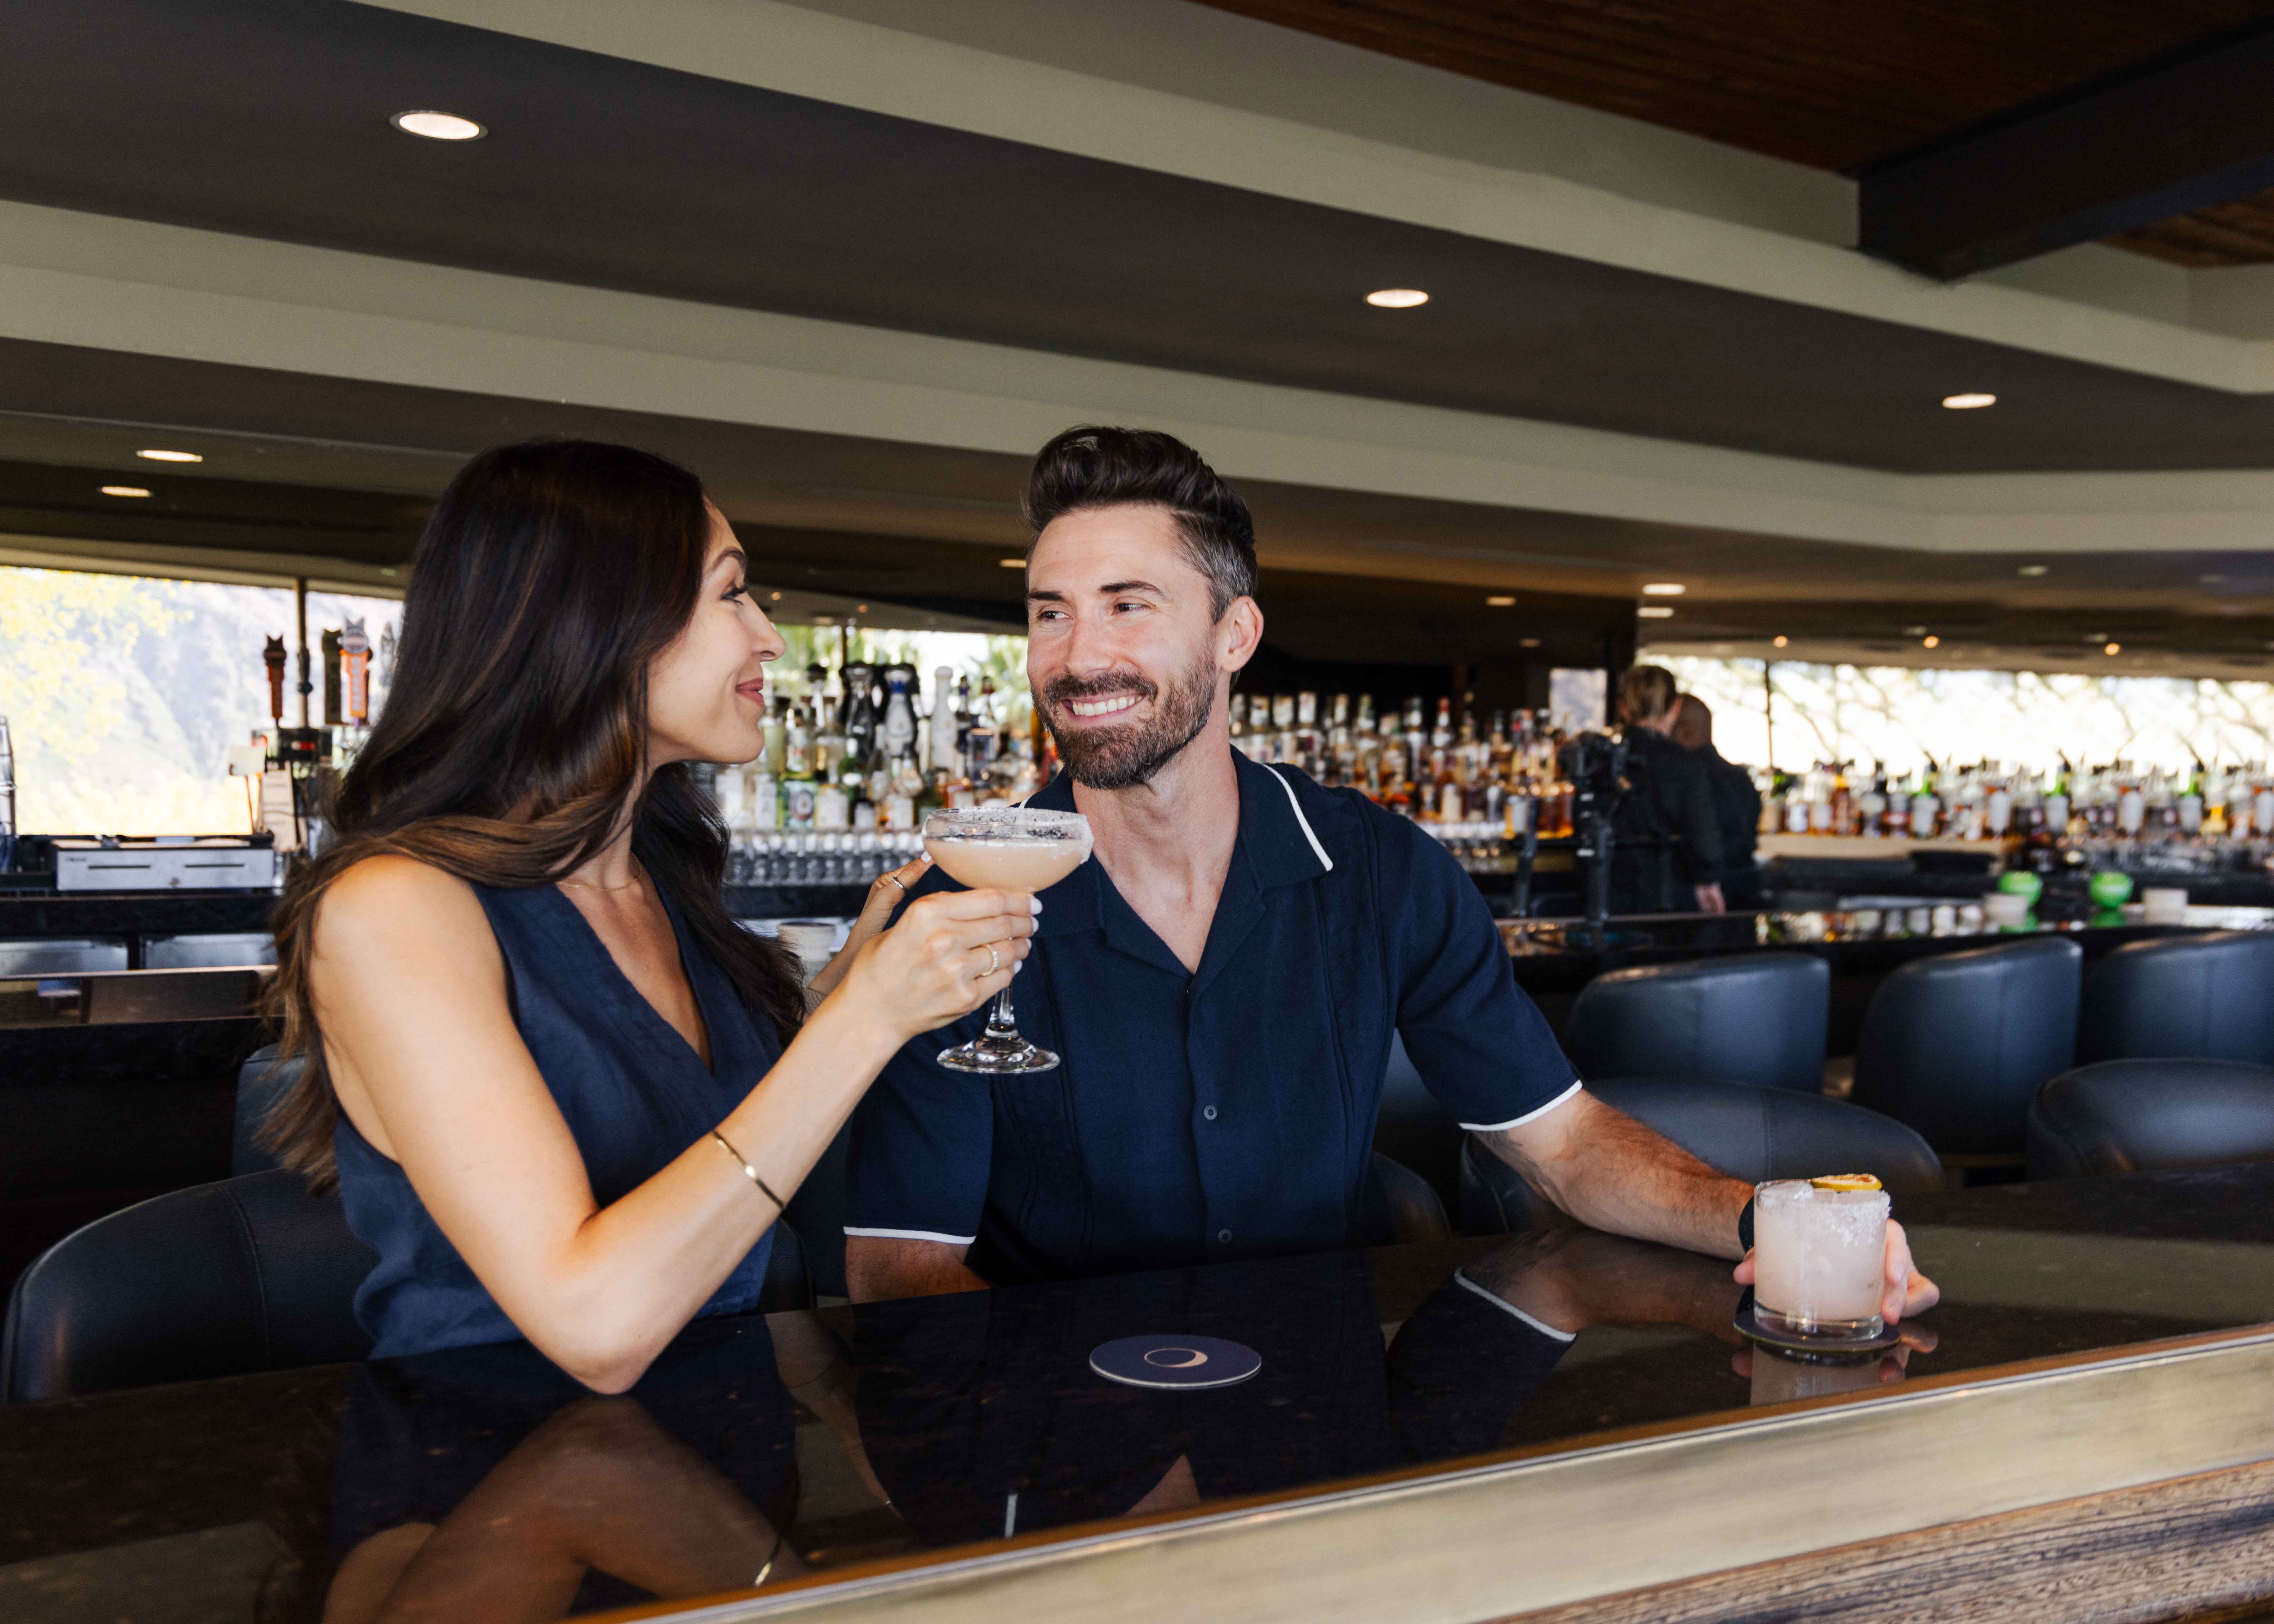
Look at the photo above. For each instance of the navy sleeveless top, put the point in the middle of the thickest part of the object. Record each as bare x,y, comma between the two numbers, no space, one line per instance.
634,1093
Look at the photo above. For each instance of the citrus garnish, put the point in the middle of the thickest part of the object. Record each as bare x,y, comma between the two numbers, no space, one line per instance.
1846,1181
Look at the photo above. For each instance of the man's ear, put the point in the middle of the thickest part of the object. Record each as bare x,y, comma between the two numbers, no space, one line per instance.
1238,634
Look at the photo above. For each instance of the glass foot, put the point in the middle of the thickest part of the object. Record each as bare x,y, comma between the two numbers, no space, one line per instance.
998,1054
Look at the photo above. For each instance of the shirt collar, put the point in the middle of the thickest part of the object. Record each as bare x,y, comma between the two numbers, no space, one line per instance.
1276,844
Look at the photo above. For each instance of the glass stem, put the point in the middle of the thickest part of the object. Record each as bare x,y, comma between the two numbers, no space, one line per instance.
999,1019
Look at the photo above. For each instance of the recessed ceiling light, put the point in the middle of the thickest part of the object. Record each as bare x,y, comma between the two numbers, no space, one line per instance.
2113,648
437,126
774,598
1655,611
1914,631
1969,401
1782,642
860,608
1533,642
124,490
1016,563
1664,589
2033,569
1932,642
1499,603
2211,580
1396,298
169,456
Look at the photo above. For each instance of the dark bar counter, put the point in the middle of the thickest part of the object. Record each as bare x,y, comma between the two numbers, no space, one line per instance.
1482,1428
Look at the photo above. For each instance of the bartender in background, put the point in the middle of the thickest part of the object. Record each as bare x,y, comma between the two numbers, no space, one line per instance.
1735,800
1668,849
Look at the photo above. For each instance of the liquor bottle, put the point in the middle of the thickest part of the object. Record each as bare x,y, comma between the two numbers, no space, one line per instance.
1926,805
2190,803
1236,718
798,782
355,674
1872,805
775,732
941,733
1842,809
983,741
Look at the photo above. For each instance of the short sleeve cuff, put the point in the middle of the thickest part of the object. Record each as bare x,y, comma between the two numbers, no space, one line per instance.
1461,1280
1535,1113
912,1235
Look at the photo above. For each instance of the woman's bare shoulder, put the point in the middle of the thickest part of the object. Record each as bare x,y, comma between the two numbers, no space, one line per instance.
402,903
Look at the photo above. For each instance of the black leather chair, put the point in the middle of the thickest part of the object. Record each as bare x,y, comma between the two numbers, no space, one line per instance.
1956,1045
251,1274
261,1083
1755,1017
1399,1208
1747,1131
2152,1117
1412,1129
2197,997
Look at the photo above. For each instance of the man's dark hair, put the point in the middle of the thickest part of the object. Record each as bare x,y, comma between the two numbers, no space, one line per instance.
1693,723
1097,466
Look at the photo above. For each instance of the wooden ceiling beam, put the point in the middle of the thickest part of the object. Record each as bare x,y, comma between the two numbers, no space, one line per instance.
2181,134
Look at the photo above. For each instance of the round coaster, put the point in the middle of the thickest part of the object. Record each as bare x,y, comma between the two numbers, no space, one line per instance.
1829,1348
1185,1362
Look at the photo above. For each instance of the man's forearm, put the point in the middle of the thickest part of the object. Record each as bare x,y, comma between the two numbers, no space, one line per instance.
1610,1172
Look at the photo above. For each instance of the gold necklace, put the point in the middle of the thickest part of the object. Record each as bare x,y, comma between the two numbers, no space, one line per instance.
633,884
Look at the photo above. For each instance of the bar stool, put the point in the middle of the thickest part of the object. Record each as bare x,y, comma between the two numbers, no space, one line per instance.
2152,1117
2203,997
1741,1129
1754,1017
1955,1044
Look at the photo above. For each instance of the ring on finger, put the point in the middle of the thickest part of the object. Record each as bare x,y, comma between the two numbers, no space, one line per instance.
994,959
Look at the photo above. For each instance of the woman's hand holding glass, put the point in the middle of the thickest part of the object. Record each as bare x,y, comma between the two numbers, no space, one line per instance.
950,952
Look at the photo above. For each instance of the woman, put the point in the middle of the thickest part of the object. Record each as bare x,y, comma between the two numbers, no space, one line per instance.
563,1093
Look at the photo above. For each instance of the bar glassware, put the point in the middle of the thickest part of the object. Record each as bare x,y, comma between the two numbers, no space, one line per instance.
1015,848
1818,1259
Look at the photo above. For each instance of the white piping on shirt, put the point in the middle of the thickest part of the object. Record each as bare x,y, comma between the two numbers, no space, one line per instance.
1517,1121
1506,1307
912,1235
1316,848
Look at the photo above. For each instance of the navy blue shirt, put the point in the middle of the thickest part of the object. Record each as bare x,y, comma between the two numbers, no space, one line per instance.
1219,1114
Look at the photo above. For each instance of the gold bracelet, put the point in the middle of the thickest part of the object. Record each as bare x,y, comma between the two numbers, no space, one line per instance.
751,1172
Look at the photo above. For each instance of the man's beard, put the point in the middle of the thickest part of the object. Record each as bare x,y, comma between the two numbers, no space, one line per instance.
1117,757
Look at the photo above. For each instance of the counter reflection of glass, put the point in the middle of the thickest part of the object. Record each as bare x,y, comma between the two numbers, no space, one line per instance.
1016,848
1819,1258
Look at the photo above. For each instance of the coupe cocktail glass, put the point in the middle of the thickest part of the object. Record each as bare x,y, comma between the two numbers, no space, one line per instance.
1819,1259
1016,848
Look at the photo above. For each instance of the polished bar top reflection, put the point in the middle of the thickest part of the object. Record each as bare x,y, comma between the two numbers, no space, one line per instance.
482,1483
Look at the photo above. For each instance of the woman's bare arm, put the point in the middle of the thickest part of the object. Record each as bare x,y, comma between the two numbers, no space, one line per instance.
410,994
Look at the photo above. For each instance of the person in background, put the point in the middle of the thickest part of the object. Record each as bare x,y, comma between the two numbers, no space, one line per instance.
563,1093
1669,850
1735,798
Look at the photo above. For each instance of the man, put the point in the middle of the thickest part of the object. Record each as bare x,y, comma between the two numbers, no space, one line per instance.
1666,853
1737,802
1224,977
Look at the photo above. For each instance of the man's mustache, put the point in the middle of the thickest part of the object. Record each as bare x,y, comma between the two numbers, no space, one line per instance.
1065,690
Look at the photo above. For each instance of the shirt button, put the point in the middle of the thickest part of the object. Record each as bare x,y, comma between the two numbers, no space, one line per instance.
1208,1112
1224,1237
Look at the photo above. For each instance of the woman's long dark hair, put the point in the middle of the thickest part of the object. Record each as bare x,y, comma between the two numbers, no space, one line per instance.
550,577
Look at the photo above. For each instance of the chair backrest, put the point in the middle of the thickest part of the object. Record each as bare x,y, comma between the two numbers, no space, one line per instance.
1957,1043
2195,997
251,1274
1398,1208
1754,1017
2152,1117
248,1275
1744,1130
261,1082
1412,1129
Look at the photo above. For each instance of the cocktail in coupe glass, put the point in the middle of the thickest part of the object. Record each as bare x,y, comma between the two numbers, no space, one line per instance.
1819,1256
1015,848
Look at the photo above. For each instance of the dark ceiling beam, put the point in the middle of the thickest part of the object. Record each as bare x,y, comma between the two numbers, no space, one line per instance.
2176,134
